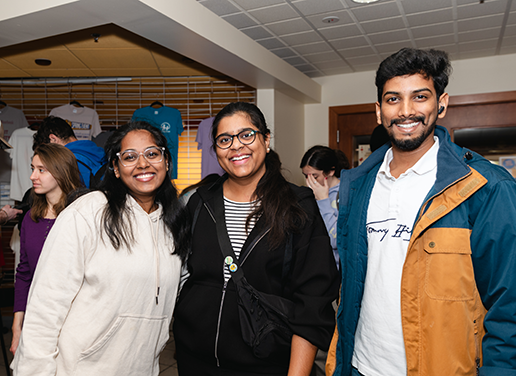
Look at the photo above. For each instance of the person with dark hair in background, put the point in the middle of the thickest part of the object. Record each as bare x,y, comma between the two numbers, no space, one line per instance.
54,176
262,213
89,156
105,288
426,240
321,167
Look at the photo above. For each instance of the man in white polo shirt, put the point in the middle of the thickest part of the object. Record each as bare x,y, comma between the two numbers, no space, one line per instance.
427,241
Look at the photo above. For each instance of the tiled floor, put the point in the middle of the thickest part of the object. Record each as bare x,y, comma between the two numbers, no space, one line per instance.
168,365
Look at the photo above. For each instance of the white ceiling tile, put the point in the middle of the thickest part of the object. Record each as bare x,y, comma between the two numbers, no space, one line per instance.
296,25
390,48
366,67
341,44
256,32
510,31
314,74
389,36
383,25
355,52
376,11
480,23
476,53
271,43
343,15
323,56
330,64
511,20
505,50
311,7
371,59
338,32
513,6
434,41
312,48
220,7
253,4
240,20
301,38
510,41
478,10
476,35
340,70
306,67
296,60
427,18
274,13
478,45
437,29
412,6
283,52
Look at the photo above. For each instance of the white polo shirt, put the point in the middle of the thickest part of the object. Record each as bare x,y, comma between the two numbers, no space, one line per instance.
393,207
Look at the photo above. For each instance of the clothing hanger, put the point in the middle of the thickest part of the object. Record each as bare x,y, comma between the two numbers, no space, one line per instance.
156,103
76,103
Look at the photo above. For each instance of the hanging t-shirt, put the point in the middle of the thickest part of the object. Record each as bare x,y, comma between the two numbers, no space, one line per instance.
83,120
209,162
21,154
168,121
12,119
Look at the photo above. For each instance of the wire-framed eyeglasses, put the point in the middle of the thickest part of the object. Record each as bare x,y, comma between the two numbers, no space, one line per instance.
152,154
246,137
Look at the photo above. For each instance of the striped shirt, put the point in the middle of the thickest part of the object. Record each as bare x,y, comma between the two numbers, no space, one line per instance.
236,214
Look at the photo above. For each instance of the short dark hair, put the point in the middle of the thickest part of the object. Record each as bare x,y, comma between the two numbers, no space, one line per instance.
432,64
52,125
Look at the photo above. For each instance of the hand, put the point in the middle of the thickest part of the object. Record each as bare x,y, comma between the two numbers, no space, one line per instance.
16,328
8,213
321,192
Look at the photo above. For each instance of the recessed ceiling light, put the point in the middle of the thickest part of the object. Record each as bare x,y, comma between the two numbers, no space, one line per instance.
43,62
331,19
364,1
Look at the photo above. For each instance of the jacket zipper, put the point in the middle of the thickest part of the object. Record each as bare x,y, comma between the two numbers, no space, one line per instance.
477,350
226,285
218,322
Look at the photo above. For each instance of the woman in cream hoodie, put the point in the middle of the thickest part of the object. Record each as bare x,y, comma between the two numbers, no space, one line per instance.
106,283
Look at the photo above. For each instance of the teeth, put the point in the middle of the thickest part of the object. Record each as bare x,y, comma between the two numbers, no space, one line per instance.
240,158
144,176
409,125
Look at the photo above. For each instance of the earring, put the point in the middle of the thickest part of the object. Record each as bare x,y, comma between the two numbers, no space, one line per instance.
268,150
167,166
116,174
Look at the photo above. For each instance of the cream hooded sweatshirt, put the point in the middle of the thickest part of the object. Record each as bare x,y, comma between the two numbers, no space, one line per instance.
93,310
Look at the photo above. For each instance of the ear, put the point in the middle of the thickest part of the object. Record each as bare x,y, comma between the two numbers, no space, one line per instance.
53,138
444,100
267,138
378,113
329,174
115,169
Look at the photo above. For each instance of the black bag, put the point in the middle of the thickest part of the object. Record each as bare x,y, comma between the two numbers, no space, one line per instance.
263,317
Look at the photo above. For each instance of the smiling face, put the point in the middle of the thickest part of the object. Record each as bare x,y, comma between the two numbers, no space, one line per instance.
42,180
409,112
242,161
144,178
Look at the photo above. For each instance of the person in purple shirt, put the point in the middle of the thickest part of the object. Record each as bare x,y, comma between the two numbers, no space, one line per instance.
54,175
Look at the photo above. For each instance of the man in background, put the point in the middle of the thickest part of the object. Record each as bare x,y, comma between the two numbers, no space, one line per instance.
90,157
426,237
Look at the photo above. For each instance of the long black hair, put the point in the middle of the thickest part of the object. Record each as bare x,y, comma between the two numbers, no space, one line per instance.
116,219
278,204
325,159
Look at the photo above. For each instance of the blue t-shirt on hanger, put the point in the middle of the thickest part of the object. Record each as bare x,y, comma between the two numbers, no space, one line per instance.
168,121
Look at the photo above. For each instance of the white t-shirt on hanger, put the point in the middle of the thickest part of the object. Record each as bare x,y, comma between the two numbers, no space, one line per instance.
83,120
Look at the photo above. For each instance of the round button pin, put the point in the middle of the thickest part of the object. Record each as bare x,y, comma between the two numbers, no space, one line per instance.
228,260
233,267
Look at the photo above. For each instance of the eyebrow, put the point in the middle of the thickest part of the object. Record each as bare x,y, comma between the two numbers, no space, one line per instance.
425,89
238,131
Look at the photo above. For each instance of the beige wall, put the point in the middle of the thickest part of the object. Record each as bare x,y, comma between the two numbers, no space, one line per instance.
471,76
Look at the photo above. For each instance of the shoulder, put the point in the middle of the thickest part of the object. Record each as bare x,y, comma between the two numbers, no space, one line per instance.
305,198
90,203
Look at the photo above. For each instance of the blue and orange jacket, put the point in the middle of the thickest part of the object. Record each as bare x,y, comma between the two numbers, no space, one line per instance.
458,288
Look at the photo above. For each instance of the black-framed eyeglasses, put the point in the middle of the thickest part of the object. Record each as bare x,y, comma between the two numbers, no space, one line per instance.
152,154
246,137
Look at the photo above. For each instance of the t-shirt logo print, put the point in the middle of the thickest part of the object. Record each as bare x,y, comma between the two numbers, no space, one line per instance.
166,127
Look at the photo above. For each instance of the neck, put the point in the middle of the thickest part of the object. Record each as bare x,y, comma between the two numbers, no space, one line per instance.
148,205
52,199
403,160
240,191
333,181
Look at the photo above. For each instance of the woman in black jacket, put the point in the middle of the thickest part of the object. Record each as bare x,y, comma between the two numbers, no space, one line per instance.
265,218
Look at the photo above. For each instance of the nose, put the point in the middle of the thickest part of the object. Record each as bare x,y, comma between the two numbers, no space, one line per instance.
142,161
406,109
33,175
236,143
